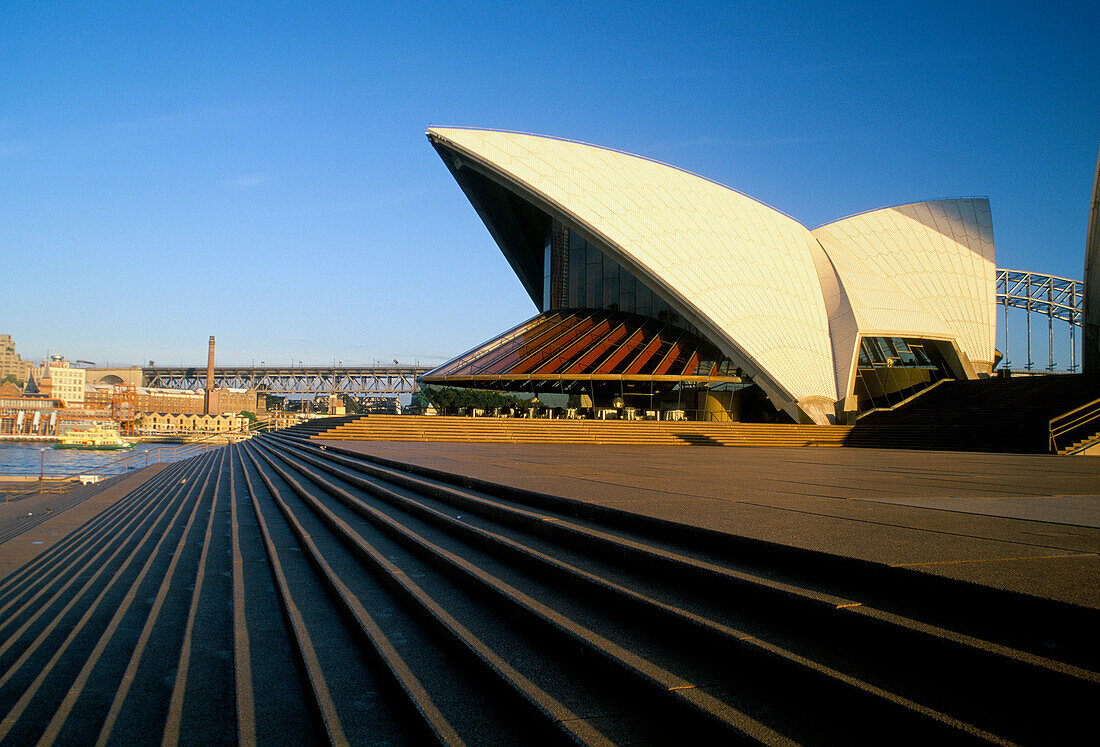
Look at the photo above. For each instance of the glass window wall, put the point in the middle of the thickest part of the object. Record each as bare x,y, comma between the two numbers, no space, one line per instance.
592,280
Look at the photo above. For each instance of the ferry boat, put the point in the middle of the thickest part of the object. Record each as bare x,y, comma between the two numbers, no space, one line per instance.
95,438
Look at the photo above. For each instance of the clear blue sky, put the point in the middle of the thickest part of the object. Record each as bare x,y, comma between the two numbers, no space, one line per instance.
259,172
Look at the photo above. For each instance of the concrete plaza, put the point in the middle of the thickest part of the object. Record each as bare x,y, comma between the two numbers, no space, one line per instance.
1016,522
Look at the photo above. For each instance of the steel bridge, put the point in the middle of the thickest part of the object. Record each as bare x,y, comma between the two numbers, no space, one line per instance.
355,381
1049,297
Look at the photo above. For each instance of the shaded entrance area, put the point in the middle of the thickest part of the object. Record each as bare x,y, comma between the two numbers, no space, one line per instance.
1013,415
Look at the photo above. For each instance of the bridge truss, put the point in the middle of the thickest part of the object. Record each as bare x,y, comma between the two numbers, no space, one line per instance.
355,381
1047,296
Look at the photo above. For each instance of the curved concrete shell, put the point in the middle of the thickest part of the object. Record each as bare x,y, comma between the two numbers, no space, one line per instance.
1091,343
734,267
862,303
786,305
931,272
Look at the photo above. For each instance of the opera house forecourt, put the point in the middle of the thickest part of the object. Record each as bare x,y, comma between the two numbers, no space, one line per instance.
664,291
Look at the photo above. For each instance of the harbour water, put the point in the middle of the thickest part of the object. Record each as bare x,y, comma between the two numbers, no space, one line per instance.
26,459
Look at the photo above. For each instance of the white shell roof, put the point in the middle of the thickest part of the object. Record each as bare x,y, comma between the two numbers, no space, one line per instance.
869,305
743,268
785,303
924,270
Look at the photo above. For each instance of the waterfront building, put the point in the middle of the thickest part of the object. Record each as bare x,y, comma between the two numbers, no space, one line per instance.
167,423
149,399
335,405
22,415
237,399
59,380
661,290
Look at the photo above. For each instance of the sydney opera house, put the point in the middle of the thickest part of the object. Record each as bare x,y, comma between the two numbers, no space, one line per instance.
661,290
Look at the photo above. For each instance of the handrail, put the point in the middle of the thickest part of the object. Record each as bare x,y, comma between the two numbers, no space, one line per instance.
1082,415
907,400
119,466
177,452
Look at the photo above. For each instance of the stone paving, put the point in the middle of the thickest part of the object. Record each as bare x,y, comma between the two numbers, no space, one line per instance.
1017,522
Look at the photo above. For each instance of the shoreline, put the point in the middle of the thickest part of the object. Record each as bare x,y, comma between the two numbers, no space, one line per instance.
34,478
219,438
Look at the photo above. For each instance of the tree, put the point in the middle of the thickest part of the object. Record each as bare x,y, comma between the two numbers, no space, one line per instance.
10,378
351,405
420,400
449,400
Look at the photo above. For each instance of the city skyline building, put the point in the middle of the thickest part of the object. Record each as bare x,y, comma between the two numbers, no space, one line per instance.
11,364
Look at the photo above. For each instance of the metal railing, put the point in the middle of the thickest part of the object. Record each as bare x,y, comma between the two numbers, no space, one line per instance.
139,460
908,398
54,483
1075,423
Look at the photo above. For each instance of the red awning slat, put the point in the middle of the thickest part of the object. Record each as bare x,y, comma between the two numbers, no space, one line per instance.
643,357
670,357
583,345
692,362
564,359
568,325
518,346
619,354
609,341
479,359
548,351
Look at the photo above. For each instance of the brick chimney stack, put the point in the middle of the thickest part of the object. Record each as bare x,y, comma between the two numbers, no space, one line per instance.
209,406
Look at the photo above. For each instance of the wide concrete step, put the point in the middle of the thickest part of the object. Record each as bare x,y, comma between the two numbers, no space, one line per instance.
279,592
516,430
